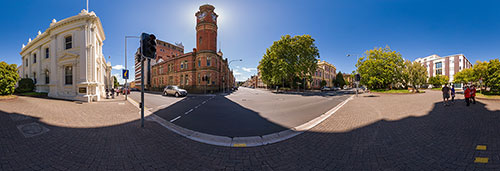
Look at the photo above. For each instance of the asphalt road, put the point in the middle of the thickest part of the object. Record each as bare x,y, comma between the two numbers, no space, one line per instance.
246,112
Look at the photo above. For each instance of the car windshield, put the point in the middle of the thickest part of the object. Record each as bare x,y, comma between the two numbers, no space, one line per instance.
175,87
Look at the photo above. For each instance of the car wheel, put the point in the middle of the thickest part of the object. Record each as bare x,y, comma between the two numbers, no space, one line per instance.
165,93
176,94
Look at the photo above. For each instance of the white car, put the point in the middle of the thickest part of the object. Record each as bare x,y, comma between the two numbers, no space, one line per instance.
174,90
325,88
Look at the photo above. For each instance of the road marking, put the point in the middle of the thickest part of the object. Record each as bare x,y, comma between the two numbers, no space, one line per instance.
481,160
175,118
121,103
480,147
240,145
190,110
203,102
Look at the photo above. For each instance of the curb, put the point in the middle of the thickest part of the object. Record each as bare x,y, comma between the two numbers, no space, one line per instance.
252,141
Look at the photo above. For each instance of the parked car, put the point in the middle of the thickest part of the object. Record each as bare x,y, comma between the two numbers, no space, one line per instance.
174,90
125,90
325,88
335,88
134,89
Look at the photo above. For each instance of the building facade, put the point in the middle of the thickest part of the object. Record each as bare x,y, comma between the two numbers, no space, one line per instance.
202,70
164,51
447,65
325,71
66,60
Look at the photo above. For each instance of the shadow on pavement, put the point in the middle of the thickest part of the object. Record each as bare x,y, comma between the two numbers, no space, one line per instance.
443,139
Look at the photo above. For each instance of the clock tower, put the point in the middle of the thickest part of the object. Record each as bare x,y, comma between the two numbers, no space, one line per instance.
206,29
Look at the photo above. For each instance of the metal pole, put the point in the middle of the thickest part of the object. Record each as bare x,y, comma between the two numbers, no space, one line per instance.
142,89
126,87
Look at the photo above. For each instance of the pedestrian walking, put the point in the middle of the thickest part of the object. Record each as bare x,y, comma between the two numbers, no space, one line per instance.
112,93
473,94
452,93
107,93
117,92
446,94
467,95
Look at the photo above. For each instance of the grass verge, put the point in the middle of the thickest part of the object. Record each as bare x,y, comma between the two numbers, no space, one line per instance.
400,91
487,96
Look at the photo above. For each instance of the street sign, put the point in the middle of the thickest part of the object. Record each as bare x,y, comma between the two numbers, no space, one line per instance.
125,74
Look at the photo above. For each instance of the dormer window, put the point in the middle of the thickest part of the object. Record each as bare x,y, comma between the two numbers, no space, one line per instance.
68,41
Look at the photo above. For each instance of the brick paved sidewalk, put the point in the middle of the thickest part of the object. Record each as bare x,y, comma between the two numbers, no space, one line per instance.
382,132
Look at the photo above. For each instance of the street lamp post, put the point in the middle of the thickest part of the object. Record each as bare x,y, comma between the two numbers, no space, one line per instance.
227,75
126,87
357,82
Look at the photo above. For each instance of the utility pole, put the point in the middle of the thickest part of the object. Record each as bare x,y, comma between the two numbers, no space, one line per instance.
126,86
357,75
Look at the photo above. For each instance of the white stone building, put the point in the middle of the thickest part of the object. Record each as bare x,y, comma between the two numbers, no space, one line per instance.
66,60
446,65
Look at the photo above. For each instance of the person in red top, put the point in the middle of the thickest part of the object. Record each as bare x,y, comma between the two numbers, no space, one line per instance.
467,95
473,94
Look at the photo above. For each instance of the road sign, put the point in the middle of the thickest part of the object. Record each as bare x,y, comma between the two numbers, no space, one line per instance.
125,74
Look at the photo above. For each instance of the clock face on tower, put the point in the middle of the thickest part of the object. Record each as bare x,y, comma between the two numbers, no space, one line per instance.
202,15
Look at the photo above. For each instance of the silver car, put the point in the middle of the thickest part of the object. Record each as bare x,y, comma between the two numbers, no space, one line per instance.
174,90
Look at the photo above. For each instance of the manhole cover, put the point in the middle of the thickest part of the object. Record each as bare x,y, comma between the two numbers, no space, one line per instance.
32,129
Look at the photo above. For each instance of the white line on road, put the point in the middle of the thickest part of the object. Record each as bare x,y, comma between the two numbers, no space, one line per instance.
190,110
175,118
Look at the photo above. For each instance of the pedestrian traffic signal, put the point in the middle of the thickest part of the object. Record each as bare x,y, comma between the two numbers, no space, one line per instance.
148,44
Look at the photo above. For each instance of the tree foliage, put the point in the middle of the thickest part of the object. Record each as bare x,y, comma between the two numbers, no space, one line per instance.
116,84
289,58
464,76
381,68
25,85
339,80
439,80
493,75
414,74
8,78
487,71
323,83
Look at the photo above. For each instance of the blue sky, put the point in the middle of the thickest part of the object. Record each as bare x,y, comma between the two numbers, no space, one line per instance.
247,28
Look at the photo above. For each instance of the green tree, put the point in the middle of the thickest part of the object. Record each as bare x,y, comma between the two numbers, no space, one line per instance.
323,83
8,78
464,76
25,85
381,68
115,82
339,80
414,74
289,58
493,75
439,80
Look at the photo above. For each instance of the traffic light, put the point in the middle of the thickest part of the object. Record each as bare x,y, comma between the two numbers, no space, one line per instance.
357,77
148,44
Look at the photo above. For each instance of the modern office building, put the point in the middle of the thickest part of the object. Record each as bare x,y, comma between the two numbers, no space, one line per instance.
446,65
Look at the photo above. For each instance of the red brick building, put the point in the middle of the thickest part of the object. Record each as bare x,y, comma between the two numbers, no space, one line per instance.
164,51
187,70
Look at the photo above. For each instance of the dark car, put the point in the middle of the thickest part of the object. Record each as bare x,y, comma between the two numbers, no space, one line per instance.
174,90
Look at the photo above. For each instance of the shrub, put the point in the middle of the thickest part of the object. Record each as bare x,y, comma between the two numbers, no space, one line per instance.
8,78
25,85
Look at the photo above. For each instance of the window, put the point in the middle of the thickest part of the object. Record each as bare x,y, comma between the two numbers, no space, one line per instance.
47,52
439,65
187,80
199,79
34,58
182,65
68,42
26,63
439,72
34,77
68,75
208,61
182,79
47,78
199,62
186,64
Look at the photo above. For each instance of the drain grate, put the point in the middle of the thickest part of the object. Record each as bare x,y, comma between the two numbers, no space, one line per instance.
32,129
